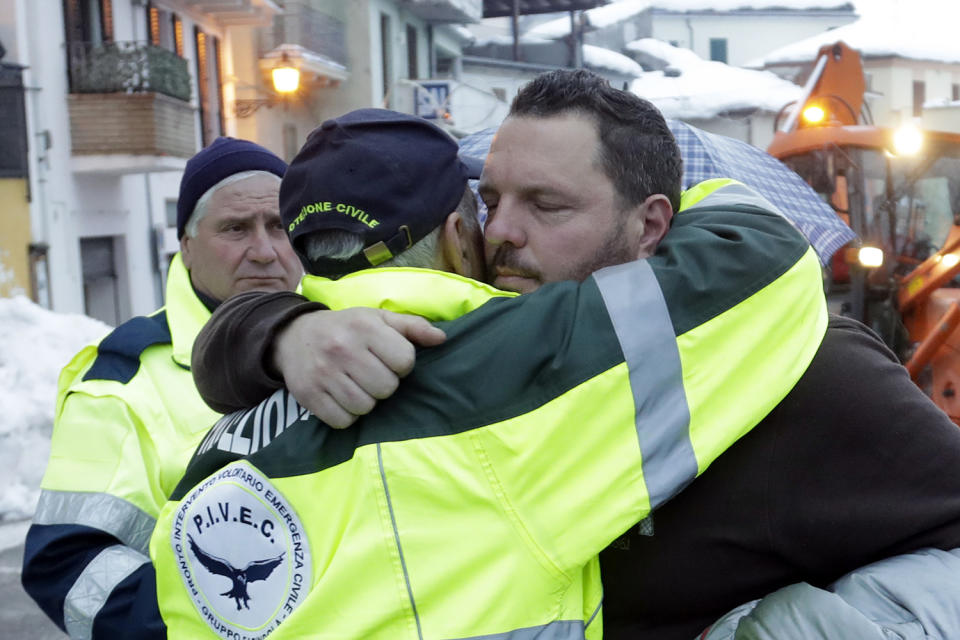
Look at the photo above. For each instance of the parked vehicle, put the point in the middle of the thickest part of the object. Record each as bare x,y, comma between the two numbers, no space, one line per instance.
899,190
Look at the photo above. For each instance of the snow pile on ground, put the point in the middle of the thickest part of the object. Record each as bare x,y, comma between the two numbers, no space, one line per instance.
704,89
34,345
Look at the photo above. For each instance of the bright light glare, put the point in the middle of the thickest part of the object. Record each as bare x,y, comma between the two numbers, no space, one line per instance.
870,257
950,260
907,140
286,79
814,114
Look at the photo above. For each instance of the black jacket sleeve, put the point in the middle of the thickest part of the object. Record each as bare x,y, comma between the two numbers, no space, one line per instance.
243,328
855,464
885,478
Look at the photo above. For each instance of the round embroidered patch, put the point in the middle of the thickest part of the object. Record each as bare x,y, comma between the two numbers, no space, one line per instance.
242,553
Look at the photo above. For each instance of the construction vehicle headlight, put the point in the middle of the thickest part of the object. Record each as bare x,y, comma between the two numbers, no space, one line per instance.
950,260
814,114
870,257
907,140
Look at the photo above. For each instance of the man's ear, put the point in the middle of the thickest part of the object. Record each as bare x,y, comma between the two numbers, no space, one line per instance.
185,253
656,212
462,252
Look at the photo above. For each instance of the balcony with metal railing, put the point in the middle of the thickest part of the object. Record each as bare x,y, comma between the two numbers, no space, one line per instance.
236,12
310,35
319,32
129,98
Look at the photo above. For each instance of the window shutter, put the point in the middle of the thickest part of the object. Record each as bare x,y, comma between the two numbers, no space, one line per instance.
106,19
153,24
71,21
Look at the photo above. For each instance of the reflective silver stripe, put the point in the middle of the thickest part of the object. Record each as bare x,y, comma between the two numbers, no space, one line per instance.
556,630
126,522
91,590
593,615
396,535
736,194
631,292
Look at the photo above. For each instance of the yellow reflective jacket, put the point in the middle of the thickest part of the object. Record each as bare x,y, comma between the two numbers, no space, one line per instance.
128,418
472,503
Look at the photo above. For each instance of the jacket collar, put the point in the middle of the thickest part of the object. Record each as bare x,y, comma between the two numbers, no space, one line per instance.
435,295
186,314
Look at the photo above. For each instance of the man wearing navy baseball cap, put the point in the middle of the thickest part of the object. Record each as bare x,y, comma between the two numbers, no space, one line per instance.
128,413
373,187
399,182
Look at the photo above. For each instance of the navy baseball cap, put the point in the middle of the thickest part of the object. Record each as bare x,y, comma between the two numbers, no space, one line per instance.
389,177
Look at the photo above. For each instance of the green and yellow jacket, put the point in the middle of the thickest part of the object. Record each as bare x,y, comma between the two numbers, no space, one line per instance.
128,418
473,503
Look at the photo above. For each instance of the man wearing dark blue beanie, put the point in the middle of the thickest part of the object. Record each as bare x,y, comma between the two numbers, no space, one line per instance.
128,413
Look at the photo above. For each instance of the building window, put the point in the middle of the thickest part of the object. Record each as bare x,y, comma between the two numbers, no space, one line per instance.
101,291
177,34
13,124
88,25
385,58
203,84
208,83
166,29
88,21
217,73
170,211
718,49
412,52
955,92
919,97
153,24
445,65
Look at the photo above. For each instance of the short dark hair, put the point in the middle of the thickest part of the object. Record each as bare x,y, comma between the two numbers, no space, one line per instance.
637,150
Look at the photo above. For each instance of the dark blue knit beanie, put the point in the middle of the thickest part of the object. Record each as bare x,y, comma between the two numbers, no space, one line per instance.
225,157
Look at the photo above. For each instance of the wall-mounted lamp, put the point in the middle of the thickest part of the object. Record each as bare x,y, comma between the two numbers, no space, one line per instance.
286,77
286,81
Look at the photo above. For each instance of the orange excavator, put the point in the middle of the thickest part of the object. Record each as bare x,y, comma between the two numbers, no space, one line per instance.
899,190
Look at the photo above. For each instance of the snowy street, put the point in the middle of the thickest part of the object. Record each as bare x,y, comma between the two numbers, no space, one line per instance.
20,618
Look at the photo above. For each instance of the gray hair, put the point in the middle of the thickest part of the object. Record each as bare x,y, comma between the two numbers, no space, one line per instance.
343,245
200,209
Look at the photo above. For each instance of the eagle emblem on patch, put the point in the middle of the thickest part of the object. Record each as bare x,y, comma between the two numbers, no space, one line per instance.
242,553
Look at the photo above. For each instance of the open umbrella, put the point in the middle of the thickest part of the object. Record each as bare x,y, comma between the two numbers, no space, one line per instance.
709,155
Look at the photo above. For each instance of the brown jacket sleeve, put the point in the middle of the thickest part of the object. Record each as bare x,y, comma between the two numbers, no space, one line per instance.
229,361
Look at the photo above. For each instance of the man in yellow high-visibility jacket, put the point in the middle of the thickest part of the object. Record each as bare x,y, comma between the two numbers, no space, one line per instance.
128,414
459,512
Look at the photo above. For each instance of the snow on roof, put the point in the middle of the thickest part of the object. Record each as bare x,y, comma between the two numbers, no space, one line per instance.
598,57
705,89
462,32
906,33
499,38
615,12
599,17
673,56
